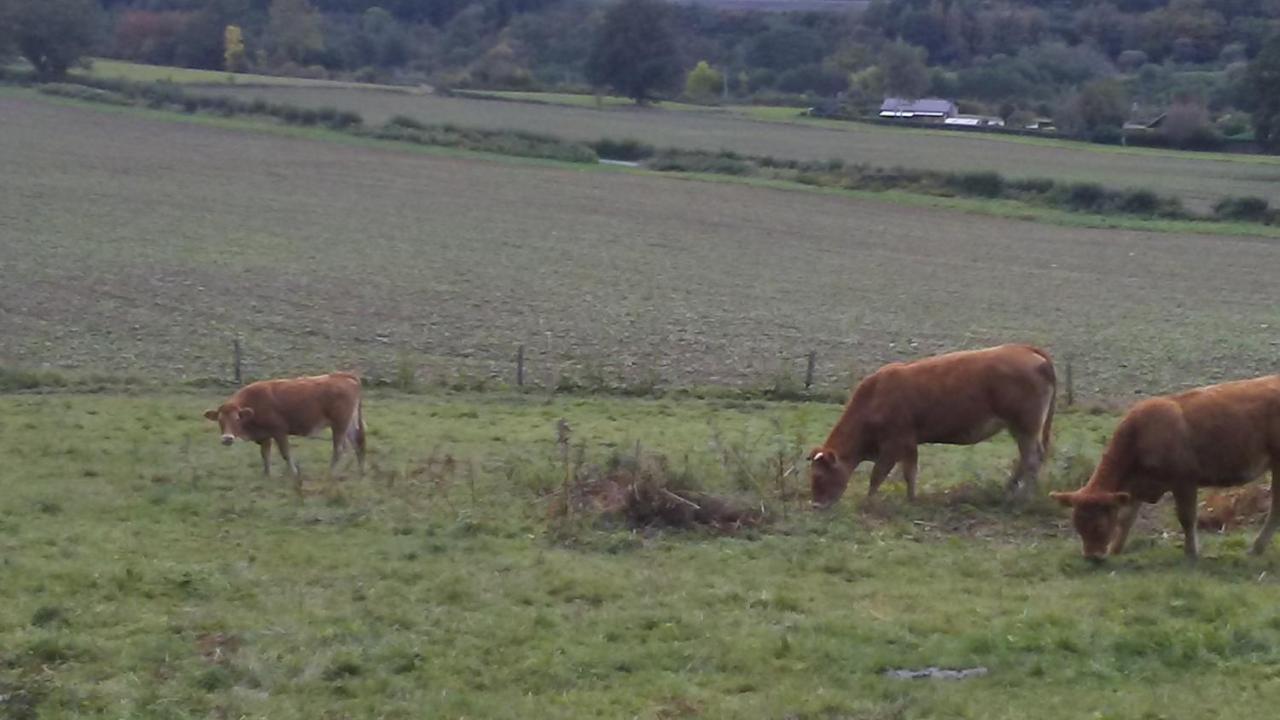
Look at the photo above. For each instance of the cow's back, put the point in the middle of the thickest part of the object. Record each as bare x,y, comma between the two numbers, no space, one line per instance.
1233,429
305,405
961,397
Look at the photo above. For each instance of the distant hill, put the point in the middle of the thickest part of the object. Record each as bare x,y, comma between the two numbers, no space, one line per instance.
782,5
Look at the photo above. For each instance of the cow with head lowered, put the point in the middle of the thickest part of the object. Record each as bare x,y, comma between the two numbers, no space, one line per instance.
274,410
1217,436
959,398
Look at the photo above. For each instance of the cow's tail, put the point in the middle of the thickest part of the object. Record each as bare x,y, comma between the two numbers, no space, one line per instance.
355,426
1051,376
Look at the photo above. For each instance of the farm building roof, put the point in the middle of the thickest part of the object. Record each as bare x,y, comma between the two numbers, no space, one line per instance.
938,107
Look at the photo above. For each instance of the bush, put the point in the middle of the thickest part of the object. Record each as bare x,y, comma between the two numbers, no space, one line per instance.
724,163
1248,209
1083,197
405,121
1033,186
1139,202
629,149
981,184
79,92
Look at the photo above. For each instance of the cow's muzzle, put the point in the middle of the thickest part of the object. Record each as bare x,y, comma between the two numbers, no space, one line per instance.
228,439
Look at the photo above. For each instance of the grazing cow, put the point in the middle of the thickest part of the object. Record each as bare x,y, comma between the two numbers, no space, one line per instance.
1217,436
275,409
960,398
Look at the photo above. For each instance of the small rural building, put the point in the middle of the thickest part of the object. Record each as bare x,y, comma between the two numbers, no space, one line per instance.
1146,124
937,109
974,121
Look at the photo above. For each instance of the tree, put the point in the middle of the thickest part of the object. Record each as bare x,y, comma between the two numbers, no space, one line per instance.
1261,95
1097,112
1186,123
704,82
52,35
294,29
635,50
904,70
233,41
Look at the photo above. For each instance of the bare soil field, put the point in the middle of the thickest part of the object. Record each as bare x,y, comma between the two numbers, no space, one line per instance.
1200,180
138,245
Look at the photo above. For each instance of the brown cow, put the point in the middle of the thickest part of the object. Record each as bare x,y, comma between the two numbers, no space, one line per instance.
1217,436
275,409
960,398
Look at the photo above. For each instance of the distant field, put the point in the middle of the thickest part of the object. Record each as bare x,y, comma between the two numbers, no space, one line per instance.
1199,179
145,571
138,72
142,246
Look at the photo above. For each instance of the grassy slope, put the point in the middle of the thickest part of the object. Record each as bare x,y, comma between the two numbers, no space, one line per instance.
147,571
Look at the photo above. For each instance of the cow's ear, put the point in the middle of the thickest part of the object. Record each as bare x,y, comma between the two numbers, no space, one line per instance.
1066,499
211,414
246,414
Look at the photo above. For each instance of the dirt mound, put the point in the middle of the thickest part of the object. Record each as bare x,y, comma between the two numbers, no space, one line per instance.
645,492
1230,509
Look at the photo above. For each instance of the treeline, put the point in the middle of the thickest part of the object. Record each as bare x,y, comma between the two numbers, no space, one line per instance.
1091,65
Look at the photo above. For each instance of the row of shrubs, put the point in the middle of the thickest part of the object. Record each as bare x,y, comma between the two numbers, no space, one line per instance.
1085,197
504,142
162,95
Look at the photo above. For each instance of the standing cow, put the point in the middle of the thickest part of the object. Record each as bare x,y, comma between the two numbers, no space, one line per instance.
1217,436
275,409
960,398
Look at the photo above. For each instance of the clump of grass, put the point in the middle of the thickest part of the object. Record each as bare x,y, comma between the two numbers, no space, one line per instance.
12,379
49,615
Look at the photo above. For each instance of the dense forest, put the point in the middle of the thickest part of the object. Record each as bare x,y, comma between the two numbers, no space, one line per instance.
1090,64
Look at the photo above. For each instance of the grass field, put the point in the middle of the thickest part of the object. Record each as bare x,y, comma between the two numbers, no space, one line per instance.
146,571
1200,179
321,254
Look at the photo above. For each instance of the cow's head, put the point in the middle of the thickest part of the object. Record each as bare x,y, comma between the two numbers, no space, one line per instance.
231,419
828,477
1094,515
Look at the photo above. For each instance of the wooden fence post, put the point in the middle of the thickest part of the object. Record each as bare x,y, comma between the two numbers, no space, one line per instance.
1071,384
235,348
520,366
808,371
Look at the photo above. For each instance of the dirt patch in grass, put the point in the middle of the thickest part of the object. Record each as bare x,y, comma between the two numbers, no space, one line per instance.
644,492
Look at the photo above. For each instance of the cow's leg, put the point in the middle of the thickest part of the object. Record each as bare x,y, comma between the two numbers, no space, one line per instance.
282,442
339,438
884,466
265,447
909,466
360,442
1273,517
1124,523
1030,455
1184,497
